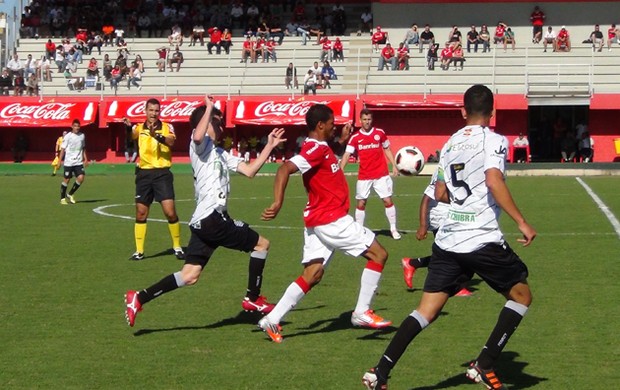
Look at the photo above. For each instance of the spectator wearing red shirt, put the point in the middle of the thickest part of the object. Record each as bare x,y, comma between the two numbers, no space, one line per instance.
538,20
338,51
378,38
613,36
326,48
247,50
215,39
446,56
270,50
259,49
50,49
388,56
458,57
226,41
563,40
403,56
162,53
500,30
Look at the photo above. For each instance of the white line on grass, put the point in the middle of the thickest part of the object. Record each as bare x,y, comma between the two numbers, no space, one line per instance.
610,216
102,211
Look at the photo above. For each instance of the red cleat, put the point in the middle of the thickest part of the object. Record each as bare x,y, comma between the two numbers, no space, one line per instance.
463,293
408,272
259,305
133,306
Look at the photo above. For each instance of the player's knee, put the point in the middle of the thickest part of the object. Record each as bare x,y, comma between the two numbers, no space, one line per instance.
262,245
190,277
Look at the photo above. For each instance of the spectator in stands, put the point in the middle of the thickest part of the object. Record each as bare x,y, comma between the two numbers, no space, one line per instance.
485,38
388,56
317,70
338,51
270,50
226,41
19,85
585,147
378,38
500,31
458,58
310,82
15,66
176,36
50,49
509,39
326,49
412,36
472,39
176,58
247,50
259,48
144,24
613,36
133,77
597,38
30,67
198,32
263,30
276,31
290,78
455,35
431,56
446,56
6,82
327,74
215,39
32,85
108,31
426,37
138,63
338,20
162,53
121,61
60,60
562,42
366,22
115,77
402,54
92,68
94,40
237,15
538,21
549,38
119,36
44,66
568,147
520,145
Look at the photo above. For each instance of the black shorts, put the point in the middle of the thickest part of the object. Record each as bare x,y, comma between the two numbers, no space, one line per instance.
218,230
76,171
496,264
155,184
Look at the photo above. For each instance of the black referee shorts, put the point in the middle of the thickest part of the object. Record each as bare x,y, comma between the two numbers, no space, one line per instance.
496,264
157,184
218,230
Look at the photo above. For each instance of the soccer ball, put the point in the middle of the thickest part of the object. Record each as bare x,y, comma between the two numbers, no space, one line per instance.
409,161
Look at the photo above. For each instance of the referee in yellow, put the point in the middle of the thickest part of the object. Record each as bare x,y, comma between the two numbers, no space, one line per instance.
154,181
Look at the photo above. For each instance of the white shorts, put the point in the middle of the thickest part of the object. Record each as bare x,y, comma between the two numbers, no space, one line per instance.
383,186
344,234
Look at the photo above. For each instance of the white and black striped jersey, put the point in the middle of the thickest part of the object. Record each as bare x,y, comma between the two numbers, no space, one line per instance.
74,144
472,219
211,166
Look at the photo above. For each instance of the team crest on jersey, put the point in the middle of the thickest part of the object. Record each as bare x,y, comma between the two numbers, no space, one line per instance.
376,137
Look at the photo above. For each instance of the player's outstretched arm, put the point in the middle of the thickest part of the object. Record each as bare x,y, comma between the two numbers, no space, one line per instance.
198,136
273,140
422,231
279,188
496,184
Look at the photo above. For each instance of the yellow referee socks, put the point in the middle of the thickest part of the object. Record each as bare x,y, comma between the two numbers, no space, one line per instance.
139,235
175,233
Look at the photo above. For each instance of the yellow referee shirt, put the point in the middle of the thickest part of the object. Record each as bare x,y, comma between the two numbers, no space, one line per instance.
153,154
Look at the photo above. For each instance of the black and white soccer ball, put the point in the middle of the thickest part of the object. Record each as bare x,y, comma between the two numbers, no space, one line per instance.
409,161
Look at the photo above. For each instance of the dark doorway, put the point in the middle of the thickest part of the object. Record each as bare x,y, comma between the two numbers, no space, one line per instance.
549,125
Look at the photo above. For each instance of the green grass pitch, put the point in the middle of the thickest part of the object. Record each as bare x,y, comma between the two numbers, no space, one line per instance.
64,271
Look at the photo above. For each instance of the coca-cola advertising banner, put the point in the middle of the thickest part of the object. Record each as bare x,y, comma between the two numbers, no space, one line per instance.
274,112
173,110
51,113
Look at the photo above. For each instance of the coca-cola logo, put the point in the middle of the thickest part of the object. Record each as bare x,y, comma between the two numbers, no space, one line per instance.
181,108
49,111
271,108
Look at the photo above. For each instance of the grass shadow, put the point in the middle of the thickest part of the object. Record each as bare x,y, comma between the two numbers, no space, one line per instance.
342,322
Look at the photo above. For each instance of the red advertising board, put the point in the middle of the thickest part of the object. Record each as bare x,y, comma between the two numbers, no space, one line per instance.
178,109
286,112
50,113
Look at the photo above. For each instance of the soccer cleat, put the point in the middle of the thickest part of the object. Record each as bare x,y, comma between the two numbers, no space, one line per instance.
137,256
487,378
259,305
272,330
133,306
71,199
408,272
372,381
463,293
396,235
369,319
178,252
63,201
